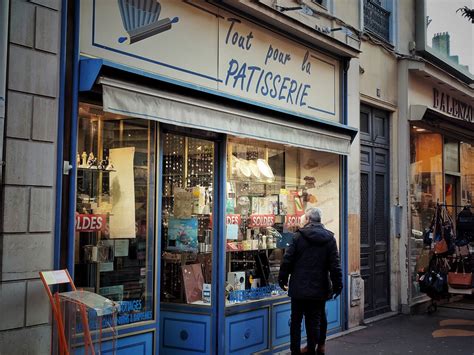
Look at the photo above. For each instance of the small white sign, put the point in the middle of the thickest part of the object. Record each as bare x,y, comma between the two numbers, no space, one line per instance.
105,267
55,277
121,247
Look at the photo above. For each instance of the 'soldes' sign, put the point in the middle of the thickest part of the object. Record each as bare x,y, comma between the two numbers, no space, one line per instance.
198,44
452,106
233,219
295,220
90,222
261,220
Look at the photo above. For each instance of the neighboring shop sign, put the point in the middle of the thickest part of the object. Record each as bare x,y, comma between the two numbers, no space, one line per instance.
203,46
452,106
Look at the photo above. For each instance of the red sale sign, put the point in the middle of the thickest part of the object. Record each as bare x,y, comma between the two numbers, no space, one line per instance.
262,220
232,219
294,220
90,222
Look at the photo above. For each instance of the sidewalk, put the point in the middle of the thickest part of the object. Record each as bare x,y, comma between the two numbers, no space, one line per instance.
447,331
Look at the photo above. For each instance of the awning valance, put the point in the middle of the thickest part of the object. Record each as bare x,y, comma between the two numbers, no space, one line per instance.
138,101
453,127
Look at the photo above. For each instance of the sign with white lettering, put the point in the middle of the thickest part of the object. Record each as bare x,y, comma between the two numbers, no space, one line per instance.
55,277
233,219
294,220
261,220
90,222
202,46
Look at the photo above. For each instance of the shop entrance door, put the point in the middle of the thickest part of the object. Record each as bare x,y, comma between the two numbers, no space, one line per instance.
451,192
374,215
188,246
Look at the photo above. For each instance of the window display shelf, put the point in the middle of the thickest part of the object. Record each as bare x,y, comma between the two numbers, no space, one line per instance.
242,181
95,170
279,297
249,250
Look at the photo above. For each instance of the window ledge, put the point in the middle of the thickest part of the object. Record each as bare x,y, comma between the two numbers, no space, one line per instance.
379,38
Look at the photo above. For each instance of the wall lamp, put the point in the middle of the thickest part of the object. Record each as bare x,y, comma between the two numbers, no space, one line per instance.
344,30
284,9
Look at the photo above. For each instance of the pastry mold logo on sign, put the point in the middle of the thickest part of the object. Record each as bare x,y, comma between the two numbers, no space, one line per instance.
141,20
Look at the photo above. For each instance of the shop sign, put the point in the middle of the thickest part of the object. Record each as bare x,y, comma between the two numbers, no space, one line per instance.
232,219
452,106
262,220
205,47
90,222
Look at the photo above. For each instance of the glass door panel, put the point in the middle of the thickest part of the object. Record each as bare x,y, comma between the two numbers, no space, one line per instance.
187,230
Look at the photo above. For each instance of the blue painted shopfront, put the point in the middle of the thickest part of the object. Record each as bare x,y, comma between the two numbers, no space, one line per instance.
257,327
254,327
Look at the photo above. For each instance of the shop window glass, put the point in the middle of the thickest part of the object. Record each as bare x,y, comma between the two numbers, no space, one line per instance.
269,187
114,235
451,156
187,233
426,188
467,174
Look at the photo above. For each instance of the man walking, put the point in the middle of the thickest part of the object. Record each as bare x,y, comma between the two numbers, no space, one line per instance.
313,262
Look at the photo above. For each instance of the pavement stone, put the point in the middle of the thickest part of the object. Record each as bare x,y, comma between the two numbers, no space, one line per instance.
447,331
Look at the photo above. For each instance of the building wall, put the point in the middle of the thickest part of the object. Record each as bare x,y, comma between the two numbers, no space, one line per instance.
403,181
347,11
378,79
29,175
356,310
406,26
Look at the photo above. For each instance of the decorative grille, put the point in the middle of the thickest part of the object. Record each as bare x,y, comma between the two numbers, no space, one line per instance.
377,19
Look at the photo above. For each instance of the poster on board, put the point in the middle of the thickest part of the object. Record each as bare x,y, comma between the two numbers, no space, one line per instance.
122,193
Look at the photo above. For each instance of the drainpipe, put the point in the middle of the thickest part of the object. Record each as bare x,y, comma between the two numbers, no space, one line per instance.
61,168
73,142
4,11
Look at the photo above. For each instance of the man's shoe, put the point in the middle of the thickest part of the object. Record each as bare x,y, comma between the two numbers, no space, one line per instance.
304,350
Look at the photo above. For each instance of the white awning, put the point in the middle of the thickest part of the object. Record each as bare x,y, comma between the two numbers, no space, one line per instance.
142,102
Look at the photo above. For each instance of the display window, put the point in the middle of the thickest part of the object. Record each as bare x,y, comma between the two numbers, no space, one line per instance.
426,189
114,224
269,188
187,229
467,174
442,171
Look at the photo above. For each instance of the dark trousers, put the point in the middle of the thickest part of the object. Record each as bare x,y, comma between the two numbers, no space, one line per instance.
314,312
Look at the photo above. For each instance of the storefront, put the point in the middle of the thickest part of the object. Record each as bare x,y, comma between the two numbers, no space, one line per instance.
201,140
441,171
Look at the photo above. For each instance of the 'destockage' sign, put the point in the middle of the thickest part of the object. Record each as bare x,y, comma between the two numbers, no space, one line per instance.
197,44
